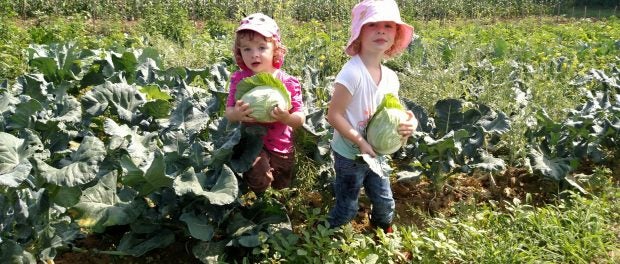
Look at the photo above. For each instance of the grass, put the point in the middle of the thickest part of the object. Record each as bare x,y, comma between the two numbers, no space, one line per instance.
575,229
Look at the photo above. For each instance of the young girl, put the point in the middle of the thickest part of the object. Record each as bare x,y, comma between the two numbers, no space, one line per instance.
377,33
257,48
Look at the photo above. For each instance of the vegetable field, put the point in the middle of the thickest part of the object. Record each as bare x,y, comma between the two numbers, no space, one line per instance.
114,148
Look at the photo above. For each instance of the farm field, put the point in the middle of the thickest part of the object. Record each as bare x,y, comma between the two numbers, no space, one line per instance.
114,149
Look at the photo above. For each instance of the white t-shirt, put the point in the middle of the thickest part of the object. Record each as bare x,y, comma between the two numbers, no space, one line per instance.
366,98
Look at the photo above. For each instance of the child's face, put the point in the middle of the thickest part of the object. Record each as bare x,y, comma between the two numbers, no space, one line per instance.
378,36
257,53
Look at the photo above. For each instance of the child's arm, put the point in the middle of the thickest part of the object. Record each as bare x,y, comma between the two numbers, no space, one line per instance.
239,112
335,116
294,120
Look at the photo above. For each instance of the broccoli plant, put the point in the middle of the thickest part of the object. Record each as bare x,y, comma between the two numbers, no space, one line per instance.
590,132
453,139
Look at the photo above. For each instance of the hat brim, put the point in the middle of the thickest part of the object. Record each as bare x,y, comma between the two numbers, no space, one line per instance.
406,31
265,33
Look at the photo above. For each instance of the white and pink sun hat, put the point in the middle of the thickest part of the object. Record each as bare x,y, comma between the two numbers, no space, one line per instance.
262,24
369,11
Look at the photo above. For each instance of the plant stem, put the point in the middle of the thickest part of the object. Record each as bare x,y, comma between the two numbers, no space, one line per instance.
493,183
96,251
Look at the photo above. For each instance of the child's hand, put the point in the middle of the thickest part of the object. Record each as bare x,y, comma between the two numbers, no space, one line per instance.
366,148
280,114
406,128
241,112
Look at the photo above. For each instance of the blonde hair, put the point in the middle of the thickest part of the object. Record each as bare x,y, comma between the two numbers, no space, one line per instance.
278,53
356,45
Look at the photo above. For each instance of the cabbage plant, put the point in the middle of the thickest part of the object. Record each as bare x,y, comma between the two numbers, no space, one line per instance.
263,92
382,129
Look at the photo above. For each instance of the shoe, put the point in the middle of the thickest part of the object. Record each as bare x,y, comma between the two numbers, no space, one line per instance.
386,228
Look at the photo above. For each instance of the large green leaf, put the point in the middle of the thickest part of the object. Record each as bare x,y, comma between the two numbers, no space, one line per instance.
188,118
24,116
67,109
153,92
313,138
147,72
198,225
217,104
64,196
100,206
14,154
264,217
448,115
138,244
425,124
82,169
487,162
494,122
57,135
225,190
58,62
33,85
148,176
138,146
124,98
210,252
157,108
95,101
380,164
553,167
247,149
224,141
13,252
126,62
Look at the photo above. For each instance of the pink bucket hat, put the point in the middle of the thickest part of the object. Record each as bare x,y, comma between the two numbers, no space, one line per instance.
266,26
369,11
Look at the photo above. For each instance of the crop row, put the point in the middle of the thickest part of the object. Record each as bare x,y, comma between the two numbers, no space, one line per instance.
303,10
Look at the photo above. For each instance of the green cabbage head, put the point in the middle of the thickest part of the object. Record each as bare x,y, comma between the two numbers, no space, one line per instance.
382,129
263,92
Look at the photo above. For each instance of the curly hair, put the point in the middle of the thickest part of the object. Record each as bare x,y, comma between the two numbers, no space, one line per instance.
356,45
278,53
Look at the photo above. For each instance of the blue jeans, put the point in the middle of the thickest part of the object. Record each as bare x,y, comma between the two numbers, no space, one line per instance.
351,176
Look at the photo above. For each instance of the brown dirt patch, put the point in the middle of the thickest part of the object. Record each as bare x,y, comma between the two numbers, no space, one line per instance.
419,200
